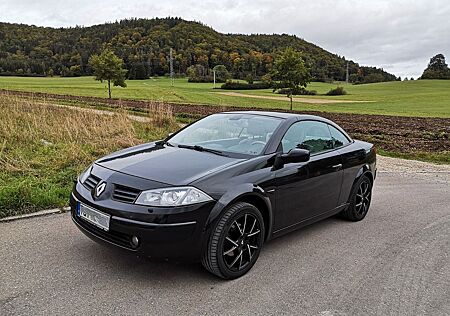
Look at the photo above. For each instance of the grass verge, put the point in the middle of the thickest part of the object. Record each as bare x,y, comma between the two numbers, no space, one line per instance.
442,157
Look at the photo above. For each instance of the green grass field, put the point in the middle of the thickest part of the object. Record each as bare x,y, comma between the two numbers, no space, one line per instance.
424,98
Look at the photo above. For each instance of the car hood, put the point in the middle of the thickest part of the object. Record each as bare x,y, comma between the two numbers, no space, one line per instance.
166,164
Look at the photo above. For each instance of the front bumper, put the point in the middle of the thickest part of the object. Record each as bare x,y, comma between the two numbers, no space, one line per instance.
165,233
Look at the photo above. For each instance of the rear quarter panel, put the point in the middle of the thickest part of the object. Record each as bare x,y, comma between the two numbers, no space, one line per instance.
357,158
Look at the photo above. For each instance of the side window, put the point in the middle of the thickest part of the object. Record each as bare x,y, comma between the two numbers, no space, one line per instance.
339,139
311,135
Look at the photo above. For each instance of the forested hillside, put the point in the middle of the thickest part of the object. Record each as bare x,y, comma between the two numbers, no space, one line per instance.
144,46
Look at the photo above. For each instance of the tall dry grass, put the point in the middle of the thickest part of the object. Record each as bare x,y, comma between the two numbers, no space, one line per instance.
27,126
43,147
161,114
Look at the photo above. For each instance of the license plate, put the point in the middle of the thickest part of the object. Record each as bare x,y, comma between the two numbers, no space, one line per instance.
93,216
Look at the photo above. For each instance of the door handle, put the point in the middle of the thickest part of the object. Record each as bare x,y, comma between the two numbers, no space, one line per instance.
337,167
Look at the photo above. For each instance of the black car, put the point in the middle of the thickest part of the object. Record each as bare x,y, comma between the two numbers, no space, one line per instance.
216,190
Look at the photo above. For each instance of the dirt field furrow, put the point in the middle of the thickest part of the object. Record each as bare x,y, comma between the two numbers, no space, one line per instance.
391,133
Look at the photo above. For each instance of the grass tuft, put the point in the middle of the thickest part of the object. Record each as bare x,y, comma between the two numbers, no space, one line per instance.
161,114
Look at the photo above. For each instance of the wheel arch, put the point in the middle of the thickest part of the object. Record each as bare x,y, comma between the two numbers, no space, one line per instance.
261,204
369,174
363,171
247,193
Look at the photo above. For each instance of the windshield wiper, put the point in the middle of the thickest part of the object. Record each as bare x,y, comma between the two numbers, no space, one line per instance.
201,148
164,142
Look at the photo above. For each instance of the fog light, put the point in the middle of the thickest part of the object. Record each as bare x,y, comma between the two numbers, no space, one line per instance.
134,241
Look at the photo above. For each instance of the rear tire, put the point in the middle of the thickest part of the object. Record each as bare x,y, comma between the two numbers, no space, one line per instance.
359,201
235,242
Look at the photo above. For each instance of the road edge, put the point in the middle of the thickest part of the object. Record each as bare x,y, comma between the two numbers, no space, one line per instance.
35,214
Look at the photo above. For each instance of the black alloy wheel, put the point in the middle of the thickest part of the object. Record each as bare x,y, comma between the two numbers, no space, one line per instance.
241,242
359,201
363,196
236,242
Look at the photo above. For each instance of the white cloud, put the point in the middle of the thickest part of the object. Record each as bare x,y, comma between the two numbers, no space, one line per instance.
398,35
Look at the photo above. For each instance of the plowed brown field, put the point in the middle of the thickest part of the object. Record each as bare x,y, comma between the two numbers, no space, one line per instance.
390,133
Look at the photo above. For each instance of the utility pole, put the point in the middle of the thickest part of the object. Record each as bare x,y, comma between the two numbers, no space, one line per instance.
171,67
346,74
149,54
214,75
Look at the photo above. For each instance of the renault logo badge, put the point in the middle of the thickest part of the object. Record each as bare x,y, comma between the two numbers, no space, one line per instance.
100,188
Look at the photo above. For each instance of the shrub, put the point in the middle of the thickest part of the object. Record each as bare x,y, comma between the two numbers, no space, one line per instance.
373,78
250,79
300,91
267,78
205,79
234,85
196,70
337,91
73,71
20,74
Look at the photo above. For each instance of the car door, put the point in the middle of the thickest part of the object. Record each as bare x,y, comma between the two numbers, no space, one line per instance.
309,189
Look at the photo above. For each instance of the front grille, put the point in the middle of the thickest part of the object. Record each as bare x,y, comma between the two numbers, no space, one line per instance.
125,194
91,182
115,237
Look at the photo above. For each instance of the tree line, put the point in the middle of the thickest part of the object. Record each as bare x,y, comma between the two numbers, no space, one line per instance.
144,45
437,68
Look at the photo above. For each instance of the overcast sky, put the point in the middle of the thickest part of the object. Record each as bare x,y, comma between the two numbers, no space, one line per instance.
399,36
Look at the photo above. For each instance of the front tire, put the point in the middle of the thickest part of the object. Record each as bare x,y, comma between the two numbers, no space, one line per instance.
235,242
359,201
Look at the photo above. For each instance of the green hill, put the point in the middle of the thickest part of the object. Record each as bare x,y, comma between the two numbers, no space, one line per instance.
144,44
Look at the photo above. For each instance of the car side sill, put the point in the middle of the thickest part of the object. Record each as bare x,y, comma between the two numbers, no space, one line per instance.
308,221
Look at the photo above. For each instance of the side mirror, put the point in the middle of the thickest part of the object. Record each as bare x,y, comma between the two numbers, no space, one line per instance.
294,155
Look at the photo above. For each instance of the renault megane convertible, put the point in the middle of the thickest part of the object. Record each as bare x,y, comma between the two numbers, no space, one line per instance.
219,188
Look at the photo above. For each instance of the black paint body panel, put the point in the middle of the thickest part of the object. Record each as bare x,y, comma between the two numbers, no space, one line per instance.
293,196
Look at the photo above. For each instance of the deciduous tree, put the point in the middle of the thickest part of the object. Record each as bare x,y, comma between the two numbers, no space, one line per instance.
107,66
437,68
290,72
222,73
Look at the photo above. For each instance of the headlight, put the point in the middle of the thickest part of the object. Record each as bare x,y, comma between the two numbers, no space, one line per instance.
85,174
172,197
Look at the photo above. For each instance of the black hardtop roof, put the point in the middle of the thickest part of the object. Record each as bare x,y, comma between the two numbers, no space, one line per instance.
281,115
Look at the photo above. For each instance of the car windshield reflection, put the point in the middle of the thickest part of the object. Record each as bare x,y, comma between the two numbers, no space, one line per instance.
227,132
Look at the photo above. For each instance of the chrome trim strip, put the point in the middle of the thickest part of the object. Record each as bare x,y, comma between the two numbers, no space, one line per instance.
131,221
74,197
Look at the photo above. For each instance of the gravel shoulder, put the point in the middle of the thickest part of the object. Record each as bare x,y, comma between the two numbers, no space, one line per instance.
413,168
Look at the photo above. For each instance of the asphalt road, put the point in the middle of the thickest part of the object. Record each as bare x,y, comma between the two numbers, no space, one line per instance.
395,262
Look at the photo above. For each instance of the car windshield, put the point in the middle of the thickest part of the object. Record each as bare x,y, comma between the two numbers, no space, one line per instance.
229,132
